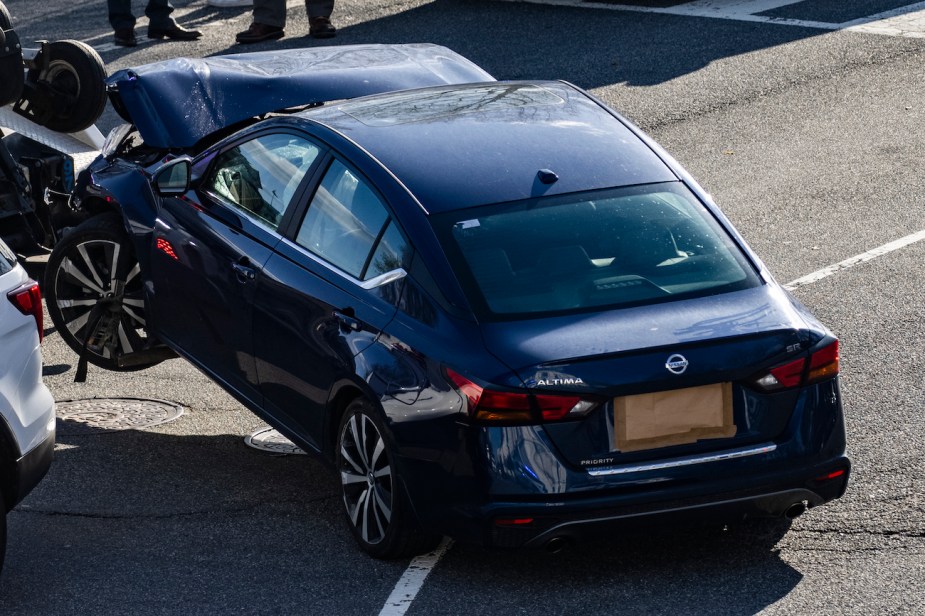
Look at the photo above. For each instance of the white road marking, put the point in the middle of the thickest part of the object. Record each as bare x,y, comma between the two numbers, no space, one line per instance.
411,581
907,21
851,262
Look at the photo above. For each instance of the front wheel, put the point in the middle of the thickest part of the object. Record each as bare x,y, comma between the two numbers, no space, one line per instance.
93,291
378,511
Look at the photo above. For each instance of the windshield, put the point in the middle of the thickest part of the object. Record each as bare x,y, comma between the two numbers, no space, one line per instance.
614,248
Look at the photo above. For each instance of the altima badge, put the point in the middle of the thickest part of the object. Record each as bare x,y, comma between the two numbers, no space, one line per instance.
676,364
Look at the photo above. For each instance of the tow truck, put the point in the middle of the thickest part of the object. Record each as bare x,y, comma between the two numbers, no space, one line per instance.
50,98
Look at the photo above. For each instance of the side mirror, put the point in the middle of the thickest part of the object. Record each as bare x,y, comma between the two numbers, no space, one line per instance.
174,177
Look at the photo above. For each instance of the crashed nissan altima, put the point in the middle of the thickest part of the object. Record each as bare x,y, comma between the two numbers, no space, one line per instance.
497,309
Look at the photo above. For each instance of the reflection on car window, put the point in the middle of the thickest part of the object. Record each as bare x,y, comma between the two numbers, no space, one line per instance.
261,175
344,220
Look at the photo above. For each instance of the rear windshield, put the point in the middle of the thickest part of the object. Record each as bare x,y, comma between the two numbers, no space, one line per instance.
604,249
7,259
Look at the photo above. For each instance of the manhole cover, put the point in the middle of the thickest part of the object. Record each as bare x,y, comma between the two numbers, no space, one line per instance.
111,414
268,439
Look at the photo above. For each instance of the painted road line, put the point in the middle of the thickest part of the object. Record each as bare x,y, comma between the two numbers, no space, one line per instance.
851,262
411,581
908,21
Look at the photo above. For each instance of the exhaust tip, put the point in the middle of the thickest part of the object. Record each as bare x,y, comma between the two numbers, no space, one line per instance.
795,510
556,545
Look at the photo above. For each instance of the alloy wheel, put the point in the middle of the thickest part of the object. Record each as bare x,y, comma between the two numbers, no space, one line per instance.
366,478
89,274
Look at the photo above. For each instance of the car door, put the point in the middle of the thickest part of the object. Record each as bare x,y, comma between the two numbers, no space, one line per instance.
210,247
326,293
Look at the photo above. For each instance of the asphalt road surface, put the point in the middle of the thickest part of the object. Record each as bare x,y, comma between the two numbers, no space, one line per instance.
808,133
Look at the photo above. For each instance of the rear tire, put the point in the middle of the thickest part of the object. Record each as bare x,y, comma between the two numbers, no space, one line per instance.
377,509
76,71
95,262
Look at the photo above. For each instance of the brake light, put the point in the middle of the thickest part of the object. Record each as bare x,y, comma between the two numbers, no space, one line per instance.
823,364
501,406
28,299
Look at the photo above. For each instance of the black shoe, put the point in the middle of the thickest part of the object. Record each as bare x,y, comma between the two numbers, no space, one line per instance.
259,32
173,32
320,27
125,37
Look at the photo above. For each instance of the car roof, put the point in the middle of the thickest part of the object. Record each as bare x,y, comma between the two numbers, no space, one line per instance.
469,145
176,103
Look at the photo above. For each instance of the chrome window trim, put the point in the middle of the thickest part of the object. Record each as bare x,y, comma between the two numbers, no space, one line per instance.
732,454
372,283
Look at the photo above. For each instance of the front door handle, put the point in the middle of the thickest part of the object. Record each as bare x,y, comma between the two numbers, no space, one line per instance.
244,272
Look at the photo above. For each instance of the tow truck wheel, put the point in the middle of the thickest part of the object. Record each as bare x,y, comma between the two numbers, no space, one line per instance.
11,69
77,79
93,291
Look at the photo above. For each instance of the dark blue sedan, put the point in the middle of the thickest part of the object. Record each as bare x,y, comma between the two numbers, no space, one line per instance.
498,309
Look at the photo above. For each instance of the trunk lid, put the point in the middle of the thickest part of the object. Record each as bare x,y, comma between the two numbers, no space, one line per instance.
728,338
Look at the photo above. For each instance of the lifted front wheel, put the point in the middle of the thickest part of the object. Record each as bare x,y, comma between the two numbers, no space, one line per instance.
93,291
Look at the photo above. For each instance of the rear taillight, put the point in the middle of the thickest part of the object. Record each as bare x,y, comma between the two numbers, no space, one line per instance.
28,299
821,365
489,405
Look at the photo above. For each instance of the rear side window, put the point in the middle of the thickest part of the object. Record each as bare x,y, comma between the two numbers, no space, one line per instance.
261,176
346,219
612,248
7,258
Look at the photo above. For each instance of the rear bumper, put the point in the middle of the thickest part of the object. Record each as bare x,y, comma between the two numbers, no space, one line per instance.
585,520
535,524
30,468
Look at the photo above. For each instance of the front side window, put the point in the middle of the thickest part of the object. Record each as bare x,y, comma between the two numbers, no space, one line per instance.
345,220
605,249
261,176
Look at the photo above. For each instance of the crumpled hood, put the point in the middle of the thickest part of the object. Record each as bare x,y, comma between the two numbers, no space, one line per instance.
177,102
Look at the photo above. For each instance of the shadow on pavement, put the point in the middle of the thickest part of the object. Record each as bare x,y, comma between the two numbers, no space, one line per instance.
510,40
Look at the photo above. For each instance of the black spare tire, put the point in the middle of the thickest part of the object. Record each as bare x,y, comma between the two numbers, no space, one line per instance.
76,78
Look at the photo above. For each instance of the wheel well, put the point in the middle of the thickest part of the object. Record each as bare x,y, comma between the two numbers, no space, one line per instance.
336,408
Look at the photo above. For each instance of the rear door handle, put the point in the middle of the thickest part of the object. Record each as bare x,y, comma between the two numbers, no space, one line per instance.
244,272
347,321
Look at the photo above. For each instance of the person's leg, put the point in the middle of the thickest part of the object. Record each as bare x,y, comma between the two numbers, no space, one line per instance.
158,13
270,12
120,14
319,18
319,8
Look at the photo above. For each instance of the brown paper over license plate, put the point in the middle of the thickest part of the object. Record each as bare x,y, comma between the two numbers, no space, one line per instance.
676,417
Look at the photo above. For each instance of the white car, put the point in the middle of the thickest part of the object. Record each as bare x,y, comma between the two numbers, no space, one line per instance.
27,408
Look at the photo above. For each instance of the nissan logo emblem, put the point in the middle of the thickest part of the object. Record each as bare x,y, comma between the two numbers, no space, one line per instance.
676,364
